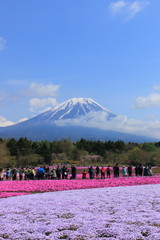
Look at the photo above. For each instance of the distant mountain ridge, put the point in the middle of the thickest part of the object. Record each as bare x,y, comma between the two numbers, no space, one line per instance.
47,125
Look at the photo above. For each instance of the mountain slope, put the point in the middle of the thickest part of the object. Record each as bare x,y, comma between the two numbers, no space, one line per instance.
73,119
51,132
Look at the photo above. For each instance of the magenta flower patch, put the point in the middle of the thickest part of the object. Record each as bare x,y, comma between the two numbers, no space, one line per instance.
13,188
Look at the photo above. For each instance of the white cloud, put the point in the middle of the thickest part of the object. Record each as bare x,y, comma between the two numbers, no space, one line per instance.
4,122
37,103
2,43
150,128
128,8
42,90
152,100
119,123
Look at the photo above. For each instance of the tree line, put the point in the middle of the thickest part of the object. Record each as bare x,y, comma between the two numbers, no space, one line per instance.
27,152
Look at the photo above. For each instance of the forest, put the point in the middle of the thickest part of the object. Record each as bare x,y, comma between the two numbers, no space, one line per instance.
24,152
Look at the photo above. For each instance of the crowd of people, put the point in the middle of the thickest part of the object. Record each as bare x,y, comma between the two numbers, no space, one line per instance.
126,171
32,173
62,172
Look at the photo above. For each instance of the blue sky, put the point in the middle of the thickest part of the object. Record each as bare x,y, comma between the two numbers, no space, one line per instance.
54,50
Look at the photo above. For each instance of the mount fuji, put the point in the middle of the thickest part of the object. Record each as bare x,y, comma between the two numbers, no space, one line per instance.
73,109
72,119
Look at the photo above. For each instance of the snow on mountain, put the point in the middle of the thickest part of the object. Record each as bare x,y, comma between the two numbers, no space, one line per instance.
76,118
74,108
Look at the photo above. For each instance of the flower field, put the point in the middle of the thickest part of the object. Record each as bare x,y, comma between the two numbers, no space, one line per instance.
123,213
125,208
15,188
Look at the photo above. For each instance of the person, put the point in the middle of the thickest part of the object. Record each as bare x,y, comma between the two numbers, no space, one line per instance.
46,169
150,172
136,170
27,173
66,173
146,170
14,174
116,171
97,172
108,171
53,173
73,172
36,173
8,173
124,171
91,172
58,172
21,172
129,170
1,174
32,174
41,173
63,171
140,170
84,174
102,172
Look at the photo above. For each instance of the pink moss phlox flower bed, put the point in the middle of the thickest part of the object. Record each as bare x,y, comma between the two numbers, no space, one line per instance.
15,188
122,213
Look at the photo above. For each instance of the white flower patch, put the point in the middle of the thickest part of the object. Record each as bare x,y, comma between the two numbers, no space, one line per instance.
123,213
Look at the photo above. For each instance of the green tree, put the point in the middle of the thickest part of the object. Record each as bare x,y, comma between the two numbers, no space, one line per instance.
149,147
109,145
46,151
24,146
119,145
137,156
12,145
99,148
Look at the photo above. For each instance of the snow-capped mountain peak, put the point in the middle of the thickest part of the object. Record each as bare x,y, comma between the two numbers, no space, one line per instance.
74,108
76,118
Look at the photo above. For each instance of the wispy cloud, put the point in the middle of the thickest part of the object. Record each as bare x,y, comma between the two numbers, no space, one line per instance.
156,87
3,96
2,43
41,90
128,9
118,6
39,103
